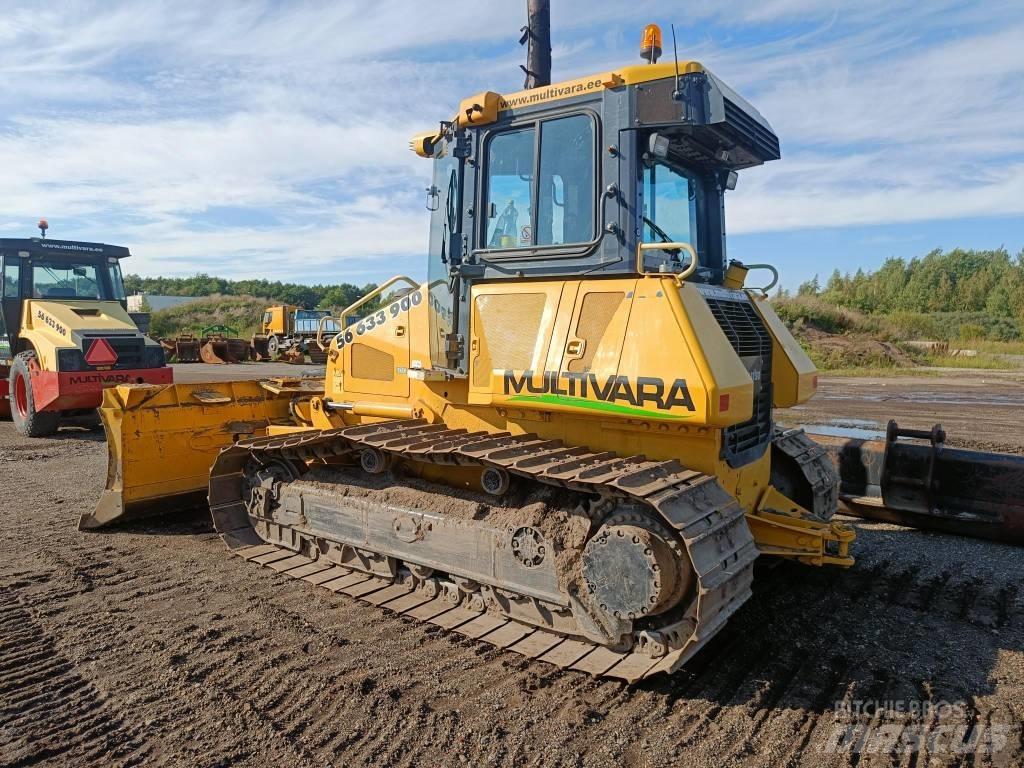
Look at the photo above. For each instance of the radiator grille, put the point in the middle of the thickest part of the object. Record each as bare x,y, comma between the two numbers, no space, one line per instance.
745,442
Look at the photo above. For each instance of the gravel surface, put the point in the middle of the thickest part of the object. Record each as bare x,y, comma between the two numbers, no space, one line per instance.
979,409
148,645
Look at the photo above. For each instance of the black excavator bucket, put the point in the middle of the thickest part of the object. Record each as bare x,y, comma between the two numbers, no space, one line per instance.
913,478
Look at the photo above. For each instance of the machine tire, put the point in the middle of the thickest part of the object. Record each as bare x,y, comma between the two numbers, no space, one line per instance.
273,346
27,420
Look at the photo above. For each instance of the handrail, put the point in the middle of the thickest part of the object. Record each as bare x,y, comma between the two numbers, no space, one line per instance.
353,307
320,331
679,276
770,268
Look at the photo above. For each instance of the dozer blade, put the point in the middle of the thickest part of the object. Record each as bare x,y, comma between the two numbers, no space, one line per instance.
912,478
162,441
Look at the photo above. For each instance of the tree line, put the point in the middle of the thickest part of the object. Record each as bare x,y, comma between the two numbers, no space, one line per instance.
309,296
991,282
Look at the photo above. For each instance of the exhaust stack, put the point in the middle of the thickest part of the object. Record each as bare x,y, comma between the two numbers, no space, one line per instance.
537,38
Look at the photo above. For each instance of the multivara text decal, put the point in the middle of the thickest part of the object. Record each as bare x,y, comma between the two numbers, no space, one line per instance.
640,392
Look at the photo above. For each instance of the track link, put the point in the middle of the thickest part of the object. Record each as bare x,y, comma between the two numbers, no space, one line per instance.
815,466
708,520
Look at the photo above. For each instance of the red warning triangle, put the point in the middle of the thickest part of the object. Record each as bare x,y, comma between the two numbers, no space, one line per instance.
101,353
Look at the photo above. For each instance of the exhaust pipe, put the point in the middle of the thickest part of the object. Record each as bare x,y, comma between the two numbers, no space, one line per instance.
537,38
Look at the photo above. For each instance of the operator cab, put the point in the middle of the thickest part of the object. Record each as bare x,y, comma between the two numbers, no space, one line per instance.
617,174
55,270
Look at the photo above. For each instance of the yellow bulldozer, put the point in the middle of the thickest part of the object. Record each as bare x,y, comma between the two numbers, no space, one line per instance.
65,333
562,442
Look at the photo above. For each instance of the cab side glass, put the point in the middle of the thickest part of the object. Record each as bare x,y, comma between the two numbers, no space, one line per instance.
509,189
12,275
566,198
116,281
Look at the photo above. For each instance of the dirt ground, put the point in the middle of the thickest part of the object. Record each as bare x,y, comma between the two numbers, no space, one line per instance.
983,410
147,645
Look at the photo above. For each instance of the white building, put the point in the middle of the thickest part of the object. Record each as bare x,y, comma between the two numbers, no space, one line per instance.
156,303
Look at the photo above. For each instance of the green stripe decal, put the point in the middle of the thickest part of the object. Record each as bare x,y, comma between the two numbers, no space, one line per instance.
592,405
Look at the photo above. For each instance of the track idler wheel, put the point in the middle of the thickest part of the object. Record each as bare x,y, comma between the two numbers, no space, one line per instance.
633,567
373,462
495,481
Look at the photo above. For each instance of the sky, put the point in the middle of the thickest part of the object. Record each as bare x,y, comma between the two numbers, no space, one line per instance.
270,139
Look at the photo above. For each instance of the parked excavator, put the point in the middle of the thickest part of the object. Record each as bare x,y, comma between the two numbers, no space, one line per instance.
562,442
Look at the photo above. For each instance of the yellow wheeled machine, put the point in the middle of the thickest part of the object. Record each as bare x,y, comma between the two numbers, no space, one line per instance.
561,443
65,333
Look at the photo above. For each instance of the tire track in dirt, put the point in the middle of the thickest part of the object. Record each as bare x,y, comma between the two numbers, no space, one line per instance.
46,708
205,659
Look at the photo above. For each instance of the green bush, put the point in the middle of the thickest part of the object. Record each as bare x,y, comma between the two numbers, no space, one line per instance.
813,312
241,313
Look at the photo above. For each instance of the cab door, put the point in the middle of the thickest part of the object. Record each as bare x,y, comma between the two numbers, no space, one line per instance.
12,268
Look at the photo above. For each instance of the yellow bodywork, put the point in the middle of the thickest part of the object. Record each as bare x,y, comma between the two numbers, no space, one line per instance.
275,320
636,366
48,324
633,365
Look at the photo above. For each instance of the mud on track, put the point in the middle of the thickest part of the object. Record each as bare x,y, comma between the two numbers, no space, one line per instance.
147,645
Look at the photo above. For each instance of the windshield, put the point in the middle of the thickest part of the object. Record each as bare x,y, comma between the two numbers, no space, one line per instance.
673,204
63,280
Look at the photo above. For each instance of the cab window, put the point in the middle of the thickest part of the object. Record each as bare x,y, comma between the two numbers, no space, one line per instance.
510,189
116,281
61,280
673,202
12,276
565,199
540,187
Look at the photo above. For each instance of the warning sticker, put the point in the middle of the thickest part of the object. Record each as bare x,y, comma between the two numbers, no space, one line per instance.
526,235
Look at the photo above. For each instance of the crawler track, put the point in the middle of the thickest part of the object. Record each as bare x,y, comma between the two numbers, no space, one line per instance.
709,522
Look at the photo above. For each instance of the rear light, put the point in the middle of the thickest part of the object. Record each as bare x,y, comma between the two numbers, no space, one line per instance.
70,360
723,403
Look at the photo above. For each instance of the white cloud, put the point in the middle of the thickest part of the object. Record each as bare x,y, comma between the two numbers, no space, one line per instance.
139,122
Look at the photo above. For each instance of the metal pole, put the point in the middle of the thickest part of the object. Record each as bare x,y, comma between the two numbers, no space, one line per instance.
537,36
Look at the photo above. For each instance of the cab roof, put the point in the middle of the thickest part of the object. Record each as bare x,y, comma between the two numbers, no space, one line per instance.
39,246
